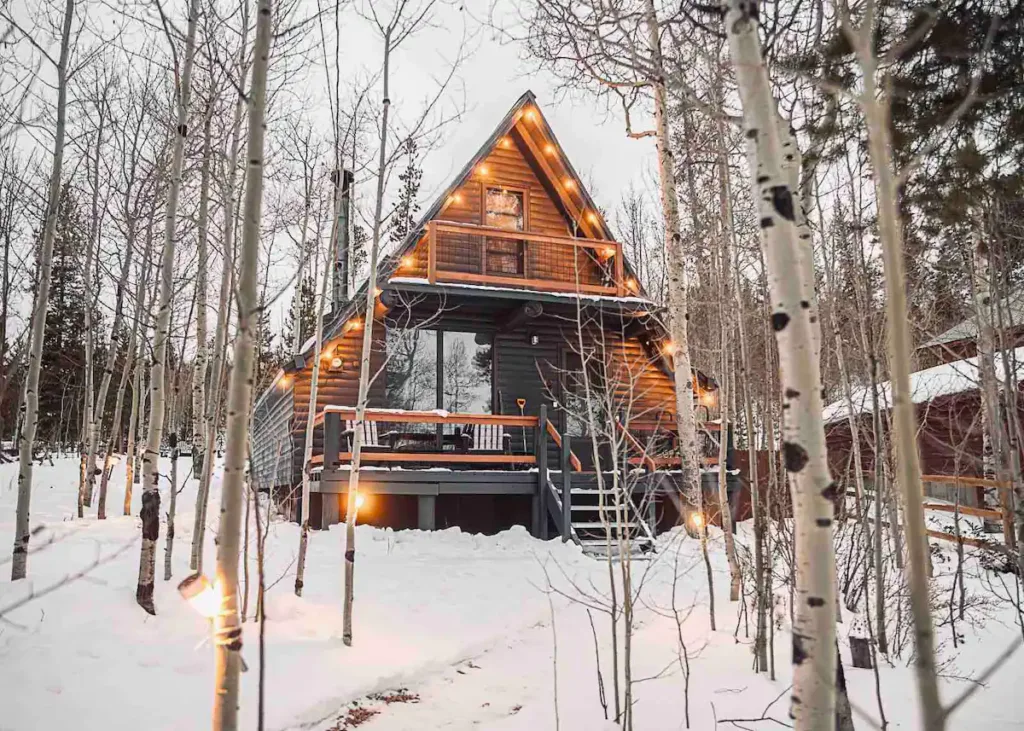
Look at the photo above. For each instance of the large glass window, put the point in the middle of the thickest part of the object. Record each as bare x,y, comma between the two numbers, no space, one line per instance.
504,209
467,373
465,360
411,369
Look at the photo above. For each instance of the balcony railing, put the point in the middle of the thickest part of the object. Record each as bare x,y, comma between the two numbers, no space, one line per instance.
462,252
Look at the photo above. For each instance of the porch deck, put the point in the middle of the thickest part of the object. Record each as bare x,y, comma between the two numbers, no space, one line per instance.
542,481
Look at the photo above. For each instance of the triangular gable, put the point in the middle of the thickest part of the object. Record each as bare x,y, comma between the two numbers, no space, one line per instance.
526,125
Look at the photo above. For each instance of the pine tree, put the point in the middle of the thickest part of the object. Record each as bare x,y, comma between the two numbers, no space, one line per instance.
60,380
304,300
407,207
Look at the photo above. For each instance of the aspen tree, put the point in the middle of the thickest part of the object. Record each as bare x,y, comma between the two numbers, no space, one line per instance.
876,115
227,625
202,266
30,405
307,452
814,493
676,274
93,407
213,398
150,512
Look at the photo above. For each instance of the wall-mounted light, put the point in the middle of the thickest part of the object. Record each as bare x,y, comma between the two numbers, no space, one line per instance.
407,261
632,285
336,363
708,398
201,595
534,339
284,381
669,347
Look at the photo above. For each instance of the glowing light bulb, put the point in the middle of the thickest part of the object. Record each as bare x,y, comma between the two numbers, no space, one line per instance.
697,519
669,348
550,149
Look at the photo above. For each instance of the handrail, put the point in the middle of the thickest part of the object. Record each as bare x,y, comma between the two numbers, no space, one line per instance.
573,459
436,457
647,459
504,233
605,251
436,416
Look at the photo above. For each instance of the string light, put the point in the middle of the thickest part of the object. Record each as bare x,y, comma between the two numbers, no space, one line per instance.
481,170
670,347
550,149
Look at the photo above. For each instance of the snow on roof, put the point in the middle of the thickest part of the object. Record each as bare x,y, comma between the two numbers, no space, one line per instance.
941,380
1012,308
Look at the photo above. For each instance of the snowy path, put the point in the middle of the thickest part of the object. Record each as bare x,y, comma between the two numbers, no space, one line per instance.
461,621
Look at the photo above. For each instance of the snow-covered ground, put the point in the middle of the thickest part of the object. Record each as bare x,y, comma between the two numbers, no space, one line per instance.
462,623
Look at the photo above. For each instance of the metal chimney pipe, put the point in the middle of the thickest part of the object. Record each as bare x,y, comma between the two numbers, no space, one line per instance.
341,263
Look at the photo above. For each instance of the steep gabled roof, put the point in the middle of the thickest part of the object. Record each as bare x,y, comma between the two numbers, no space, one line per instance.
1011,307
555,169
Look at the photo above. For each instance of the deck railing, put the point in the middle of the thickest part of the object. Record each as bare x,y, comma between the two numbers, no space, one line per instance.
469,253
438,445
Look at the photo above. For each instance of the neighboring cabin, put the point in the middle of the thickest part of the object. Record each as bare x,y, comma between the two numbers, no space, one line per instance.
477,355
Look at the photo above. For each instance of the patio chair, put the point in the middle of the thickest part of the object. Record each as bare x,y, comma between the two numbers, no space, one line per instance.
487,439
371,437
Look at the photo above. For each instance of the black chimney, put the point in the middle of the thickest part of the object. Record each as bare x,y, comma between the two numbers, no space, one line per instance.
341,273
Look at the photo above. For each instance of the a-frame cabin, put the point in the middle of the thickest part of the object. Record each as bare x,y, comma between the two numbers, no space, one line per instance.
506,305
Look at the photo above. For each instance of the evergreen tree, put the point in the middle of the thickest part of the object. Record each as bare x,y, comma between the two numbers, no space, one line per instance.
304,301
266,364
407,208
61,381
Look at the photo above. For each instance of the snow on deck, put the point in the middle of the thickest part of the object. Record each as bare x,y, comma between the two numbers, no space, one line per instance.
942,380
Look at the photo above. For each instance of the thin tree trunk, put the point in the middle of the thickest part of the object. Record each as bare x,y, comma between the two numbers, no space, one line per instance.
905,436
19,562
814,493
213,394
307,452
150,512
132,363
725,393
364,360
228,628
93,405
202,265
677,285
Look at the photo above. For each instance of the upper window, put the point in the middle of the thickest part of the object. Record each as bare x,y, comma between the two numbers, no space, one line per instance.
504,209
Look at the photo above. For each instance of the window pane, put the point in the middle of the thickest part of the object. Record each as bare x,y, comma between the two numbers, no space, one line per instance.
411,369
504,209
467,373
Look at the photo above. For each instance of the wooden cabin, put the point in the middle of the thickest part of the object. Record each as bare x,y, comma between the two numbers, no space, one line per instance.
506,304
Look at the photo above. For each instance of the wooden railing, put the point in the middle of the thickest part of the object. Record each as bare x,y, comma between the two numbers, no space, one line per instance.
463,252
1004,516
332,416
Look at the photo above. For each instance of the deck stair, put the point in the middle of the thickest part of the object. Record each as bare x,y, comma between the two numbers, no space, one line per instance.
597,521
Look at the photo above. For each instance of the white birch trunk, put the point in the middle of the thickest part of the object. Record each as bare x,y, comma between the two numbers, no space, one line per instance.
227,624
677,285
307,452
150,512
905,428
202,265
364,358
724,394
108,373
814,493
213,394
93,406
30,406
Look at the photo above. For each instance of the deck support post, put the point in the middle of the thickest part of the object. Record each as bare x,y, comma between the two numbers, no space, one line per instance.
540,500
332,440
566,489
426,505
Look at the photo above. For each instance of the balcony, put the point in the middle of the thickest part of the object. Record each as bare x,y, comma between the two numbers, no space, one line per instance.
472,254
